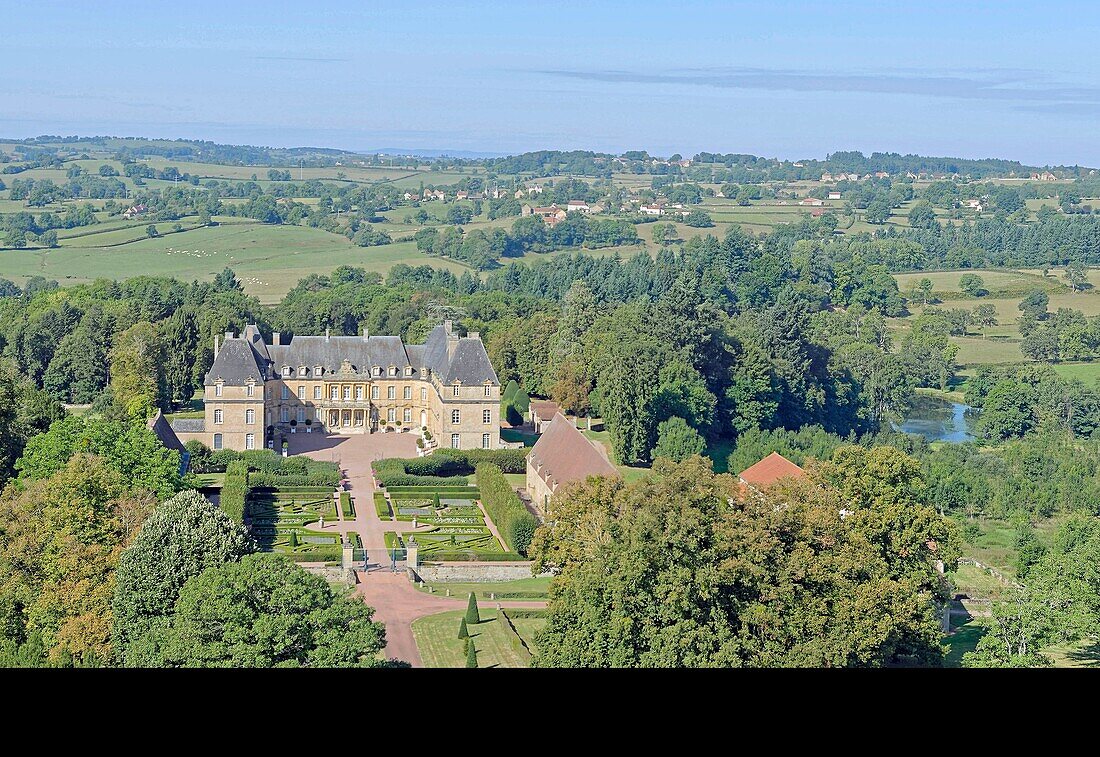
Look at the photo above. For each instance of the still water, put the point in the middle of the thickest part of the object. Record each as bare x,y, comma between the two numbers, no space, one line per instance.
938,420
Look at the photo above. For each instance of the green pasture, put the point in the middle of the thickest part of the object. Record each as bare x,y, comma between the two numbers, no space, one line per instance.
437,640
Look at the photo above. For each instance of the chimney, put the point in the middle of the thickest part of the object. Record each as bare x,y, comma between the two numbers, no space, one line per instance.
276,338
366,333
327,334
228,335
217,344
447,326
473,335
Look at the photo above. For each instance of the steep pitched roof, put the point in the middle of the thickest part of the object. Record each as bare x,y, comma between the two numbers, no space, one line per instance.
545,409
769,470
327,352
469,364
563,454
188,425
235,363
158,424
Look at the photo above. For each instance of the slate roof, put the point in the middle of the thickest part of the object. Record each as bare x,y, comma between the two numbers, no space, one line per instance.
189,425
449,357
769,470
158,424
563,454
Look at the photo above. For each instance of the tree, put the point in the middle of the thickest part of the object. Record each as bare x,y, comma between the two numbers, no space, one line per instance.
1076,275
924,286
25,411
1006,410
1034,304
263,611
472,616
972,284
137,370
185,536
678,570
48,238
462,632
677,441
698,219
151,231
1015,636
226,281
985,315
471,655
878,212
921,216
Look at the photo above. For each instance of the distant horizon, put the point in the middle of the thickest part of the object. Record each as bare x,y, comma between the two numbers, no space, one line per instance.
467,154
793,78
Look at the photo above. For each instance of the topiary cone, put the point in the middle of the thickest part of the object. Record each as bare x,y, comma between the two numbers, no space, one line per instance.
471,611
471,657
462,632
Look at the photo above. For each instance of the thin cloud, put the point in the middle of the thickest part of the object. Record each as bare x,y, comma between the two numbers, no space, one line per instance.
997,85
301,59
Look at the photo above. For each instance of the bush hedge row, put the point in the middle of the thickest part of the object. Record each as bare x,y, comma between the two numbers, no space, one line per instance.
519,646
508,460
284,480
346,507
381,506
234,492
515,524
206,460
472,556
391,471
321,554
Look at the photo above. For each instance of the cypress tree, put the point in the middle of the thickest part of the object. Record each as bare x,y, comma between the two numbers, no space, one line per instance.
471,657
462,632
472,616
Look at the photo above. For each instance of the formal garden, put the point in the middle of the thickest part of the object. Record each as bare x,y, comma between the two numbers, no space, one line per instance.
436,492
479,637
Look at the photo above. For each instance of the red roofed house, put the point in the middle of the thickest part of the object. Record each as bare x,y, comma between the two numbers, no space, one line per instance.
759,476
542,412
550,215
560,456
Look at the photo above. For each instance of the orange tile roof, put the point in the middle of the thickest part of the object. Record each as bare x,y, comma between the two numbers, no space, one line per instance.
769,470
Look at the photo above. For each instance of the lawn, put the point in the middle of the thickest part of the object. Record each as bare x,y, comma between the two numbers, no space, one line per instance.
1088,373
533,588
437,639
966,634
628,472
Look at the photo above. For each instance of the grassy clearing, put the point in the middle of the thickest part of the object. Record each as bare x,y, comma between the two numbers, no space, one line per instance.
437,639
628,472
1089,373
995,279
965,636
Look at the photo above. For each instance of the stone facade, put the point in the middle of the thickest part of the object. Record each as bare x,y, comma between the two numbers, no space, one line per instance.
350,385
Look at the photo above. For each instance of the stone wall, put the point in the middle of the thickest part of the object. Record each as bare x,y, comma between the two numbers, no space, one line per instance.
457,572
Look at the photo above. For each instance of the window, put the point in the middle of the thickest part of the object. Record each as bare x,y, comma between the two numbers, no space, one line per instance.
288,371
250,390
488,390
250,417
374,392
286,392
217,441
391,415
217,390
456,390
408,392
408,370
393,371
358,392
301,415
485,441
317,392
408,415
455,416
250,441
486,416
423,393
302,370
391,392
318,371
335,392
284,414
377,371
217,416
455,444
301,392
347,392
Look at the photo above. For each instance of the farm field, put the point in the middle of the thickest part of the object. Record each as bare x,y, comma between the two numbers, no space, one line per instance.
1088,373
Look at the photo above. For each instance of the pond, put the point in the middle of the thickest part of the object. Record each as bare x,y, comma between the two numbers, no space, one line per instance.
938,420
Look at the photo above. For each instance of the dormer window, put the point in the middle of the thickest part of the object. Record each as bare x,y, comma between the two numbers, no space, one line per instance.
302,370
218,389
288,371
250,389
393,370
408,370
318,370
455,390
377,371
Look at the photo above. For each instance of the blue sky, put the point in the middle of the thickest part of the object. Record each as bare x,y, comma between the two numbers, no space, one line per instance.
787,79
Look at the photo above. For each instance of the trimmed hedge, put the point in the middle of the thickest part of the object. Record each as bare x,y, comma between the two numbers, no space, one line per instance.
234,492
516,525
392,472
471,556
508,460
516,613
321,554
265,461
381,506
346,506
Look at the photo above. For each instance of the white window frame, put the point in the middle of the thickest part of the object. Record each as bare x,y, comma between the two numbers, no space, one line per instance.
391,392
286,392
423,393
455,390
408,393
486,440
456,441
358,392
408,415
250,390
218,416
334,393
377,370
374,392
486,416
284,415
217,443
456,416
250,417
250,441
288,371
391,415
301,392
488,390
218,389
347,393
317,392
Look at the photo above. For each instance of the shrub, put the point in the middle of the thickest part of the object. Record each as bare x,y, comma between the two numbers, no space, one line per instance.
406,472
517,642
472,616
462,632
346,506
471,657
235,490
516,525
294,538
508,460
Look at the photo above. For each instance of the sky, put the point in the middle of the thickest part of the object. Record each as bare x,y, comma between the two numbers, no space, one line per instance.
1017,80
